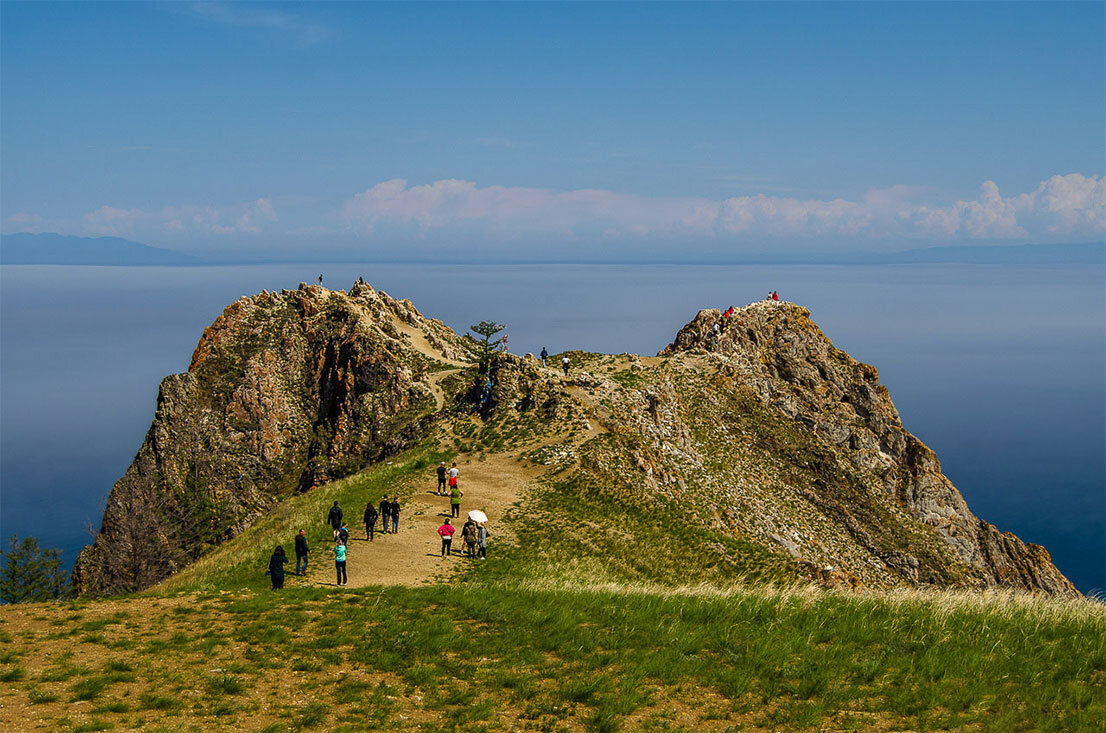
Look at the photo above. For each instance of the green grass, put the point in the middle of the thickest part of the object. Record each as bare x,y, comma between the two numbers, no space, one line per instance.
549,654
241,563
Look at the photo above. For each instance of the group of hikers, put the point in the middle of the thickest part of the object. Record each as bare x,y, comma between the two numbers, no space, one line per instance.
565,361
474,532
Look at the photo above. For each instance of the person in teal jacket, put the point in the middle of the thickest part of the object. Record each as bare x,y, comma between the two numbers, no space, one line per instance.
340,563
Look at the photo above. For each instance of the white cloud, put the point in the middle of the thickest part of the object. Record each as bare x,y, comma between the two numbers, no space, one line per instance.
248,218
515,211
24,218
1071,205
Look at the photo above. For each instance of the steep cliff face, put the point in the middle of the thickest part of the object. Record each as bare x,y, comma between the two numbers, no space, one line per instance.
775,350
782,451
285,391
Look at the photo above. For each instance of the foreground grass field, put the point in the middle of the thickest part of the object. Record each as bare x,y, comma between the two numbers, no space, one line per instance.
490,656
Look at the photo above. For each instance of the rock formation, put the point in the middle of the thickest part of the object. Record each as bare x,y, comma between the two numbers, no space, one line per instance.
761,431
285,391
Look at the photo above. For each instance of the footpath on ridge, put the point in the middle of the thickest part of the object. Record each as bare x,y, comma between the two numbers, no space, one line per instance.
413,555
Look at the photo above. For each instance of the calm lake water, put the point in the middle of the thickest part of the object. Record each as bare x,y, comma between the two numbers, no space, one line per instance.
1000,369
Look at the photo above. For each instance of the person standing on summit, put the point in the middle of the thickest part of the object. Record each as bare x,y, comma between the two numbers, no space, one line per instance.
544,355
335,518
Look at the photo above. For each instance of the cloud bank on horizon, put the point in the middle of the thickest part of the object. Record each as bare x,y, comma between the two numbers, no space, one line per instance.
1062,208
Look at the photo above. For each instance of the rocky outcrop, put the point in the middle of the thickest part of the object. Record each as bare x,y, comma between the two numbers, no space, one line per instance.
285,391
784,358
775,445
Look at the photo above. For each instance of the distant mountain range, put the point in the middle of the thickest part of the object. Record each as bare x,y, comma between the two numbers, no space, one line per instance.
59,249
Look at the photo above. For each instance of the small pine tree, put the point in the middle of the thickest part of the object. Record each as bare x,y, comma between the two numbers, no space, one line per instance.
486,348
31,573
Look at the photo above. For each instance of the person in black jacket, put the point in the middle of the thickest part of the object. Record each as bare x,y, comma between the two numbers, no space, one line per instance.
395,515
441,478
370,520
301,552
335,518
276,567
343,534
385,513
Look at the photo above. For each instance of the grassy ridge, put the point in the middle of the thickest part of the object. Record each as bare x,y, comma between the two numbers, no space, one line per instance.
539,656
241,563
581,529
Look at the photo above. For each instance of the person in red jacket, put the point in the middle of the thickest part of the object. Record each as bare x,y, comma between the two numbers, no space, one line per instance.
446,531
775,295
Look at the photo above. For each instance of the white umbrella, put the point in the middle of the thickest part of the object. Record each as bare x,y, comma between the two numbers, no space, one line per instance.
478,516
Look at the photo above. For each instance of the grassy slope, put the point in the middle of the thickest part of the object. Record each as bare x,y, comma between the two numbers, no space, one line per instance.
534,640
241,563
485,656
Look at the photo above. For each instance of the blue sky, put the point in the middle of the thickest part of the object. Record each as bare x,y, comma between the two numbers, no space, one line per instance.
668,128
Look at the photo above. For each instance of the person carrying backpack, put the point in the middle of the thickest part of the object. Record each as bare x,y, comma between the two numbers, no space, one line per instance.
441,479
468,534
446,532
343,534
395,515
335,518
565,363
276,567
301,552
370,520
385,513
340,563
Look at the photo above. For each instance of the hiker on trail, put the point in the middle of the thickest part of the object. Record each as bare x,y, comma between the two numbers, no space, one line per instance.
453,474
717,333
395,515
320,278
446,531
340,563
482,540
455,495
544,355
301,552
385,514
370,520
343,534
565,363
468,534
335,518
440,491
775,295
276,567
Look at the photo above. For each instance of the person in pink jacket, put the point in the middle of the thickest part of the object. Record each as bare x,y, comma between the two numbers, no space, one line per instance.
446,531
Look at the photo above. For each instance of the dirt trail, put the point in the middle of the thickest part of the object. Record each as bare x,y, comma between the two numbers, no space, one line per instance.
413,555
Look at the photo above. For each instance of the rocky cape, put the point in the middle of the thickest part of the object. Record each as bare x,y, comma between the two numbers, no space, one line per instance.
760,430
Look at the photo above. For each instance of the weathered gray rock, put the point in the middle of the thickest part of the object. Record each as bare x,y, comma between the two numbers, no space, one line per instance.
285,392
